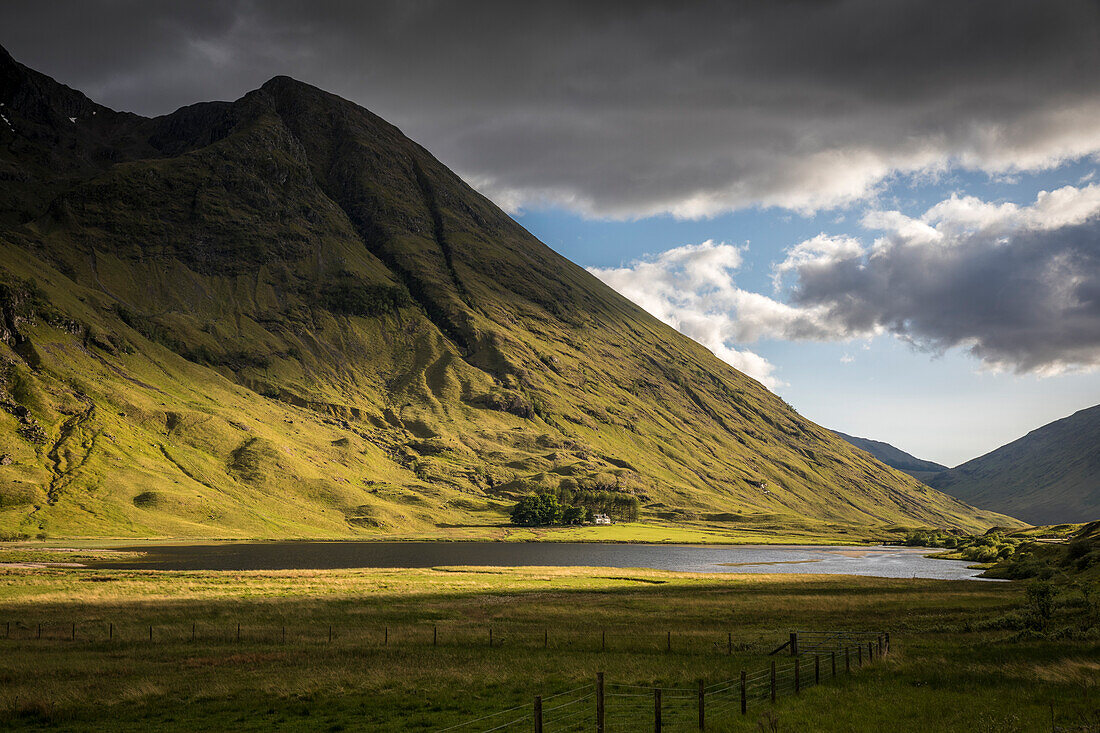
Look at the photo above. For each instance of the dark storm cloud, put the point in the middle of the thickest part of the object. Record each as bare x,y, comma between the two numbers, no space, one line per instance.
1017,287
627,109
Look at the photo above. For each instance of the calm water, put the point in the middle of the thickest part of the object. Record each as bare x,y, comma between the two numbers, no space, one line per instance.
886,562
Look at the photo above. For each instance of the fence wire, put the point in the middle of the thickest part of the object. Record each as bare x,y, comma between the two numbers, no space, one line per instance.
633,707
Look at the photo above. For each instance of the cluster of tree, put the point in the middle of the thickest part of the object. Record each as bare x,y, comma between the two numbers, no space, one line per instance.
535,510
1046,561
619,506
1018,556
573,507
986,548
932,538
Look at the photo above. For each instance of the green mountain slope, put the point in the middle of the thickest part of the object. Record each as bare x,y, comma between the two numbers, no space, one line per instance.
895,457
280,317
1049,476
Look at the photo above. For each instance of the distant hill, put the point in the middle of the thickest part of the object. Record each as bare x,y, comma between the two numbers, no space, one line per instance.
1049,476
281,317
895,457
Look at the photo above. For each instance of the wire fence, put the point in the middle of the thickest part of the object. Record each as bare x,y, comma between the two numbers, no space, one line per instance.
398,634
816,658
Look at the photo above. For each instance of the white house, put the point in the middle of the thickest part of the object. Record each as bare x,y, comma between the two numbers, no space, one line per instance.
601,519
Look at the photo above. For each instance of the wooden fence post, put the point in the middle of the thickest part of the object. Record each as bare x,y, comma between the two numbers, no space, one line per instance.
668,642
817,669
847,662
284,633
538,714
832,660
111,631
729,644
773,681
744,698
887,643
603,640
702,712
150,633
870,652
330,634
859,654
238,633
599,702
435,636
545,639
490,636
797,676
192,631
386,638
656,710
74,631
794,643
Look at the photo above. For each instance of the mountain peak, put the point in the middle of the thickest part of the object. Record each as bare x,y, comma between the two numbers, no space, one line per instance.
282,84
39,97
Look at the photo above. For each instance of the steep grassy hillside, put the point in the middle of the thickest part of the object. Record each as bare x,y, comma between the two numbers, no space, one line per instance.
280,317
895,457
1049,476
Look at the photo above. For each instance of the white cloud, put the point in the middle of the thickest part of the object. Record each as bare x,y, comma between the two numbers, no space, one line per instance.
1018,287
692,289
1064,207
822,250
958,215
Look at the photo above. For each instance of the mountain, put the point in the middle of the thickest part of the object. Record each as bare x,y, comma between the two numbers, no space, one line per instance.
895,457
1049,476
281,317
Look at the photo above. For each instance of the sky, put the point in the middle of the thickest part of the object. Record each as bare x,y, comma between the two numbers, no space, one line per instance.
887,212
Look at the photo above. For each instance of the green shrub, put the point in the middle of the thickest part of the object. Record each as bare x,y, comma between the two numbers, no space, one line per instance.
1084,562
1040,601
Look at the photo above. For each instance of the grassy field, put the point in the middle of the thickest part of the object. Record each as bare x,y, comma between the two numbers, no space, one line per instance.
959,660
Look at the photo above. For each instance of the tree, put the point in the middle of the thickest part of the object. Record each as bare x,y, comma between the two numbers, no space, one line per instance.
1040,599
573,515
537,509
